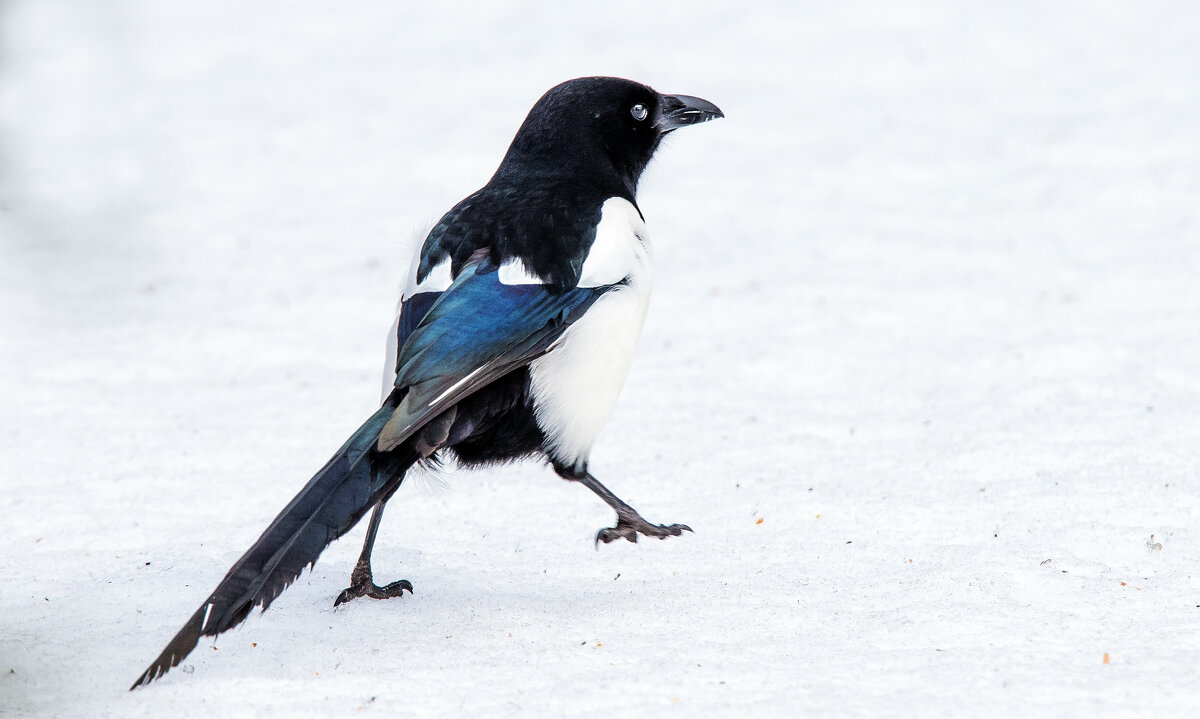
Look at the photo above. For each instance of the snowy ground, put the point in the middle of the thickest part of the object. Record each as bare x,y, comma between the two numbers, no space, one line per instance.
921,368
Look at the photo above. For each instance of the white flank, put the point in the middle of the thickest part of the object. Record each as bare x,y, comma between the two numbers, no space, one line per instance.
575,386
389,357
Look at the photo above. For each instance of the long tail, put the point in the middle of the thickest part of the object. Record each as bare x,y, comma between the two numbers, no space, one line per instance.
330,504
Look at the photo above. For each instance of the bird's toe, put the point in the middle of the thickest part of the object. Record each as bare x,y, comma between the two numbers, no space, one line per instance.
395,589
374,591
347,595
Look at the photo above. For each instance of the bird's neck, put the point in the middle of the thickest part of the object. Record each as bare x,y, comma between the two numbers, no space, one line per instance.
549,164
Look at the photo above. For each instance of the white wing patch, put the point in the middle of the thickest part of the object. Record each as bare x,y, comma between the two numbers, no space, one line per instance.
438,279
514,272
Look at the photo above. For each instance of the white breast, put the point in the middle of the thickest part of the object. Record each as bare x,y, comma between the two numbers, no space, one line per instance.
575,386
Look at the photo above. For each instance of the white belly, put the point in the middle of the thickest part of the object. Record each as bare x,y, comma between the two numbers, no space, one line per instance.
575,386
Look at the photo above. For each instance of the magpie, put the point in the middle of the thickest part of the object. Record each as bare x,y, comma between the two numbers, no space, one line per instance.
515,333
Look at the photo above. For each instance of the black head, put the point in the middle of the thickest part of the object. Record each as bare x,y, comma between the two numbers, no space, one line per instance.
599,127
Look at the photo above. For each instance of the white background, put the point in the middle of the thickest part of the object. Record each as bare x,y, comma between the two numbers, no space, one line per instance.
922,368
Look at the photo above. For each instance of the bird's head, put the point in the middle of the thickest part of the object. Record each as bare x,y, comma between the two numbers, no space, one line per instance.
604,126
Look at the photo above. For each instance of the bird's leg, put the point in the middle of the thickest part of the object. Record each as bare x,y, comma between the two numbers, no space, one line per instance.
629,523
362,584
425,442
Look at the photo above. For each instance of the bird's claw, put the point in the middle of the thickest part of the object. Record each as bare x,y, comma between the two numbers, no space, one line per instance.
361,585
629,529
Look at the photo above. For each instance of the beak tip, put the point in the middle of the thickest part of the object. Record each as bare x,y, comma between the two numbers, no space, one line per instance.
684,110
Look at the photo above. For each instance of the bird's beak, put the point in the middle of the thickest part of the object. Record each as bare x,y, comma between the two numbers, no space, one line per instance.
676,111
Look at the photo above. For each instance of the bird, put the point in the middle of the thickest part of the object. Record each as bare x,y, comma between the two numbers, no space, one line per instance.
515,333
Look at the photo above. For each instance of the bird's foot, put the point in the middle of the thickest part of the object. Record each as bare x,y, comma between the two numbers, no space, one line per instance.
629,527
362,584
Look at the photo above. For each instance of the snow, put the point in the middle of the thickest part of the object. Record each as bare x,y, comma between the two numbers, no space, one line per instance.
920,368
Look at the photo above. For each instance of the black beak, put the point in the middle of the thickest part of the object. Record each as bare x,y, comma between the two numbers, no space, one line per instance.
676,111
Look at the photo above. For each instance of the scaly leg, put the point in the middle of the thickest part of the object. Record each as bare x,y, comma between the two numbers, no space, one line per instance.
425,442
629,523
361,582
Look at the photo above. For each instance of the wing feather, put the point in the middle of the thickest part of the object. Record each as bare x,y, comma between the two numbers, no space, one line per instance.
477,331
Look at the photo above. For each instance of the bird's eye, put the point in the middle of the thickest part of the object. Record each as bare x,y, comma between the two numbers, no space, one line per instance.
639,112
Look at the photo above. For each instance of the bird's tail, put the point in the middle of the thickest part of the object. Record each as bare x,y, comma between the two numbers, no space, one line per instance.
330,504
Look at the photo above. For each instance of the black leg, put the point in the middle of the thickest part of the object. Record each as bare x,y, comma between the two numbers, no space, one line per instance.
629,523
362,584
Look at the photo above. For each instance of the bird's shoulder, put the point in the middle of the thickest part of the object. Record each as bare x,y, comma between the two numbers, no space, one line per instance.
549,226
